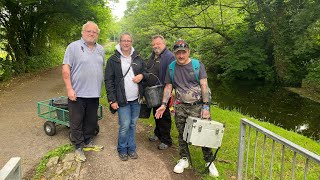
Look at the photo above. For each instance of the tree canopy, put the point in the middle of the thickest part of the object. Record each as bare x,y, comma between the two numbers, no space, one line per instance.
248,39
34,31
265,40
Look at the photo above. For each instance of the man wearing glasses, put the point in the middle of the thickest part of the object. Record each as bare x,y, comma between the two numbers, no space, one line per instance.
192,99
82,72
156,67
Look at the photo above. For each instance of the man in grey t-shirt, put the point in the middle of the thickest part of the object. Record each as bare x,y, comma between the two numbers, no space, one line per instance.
82,73
192,99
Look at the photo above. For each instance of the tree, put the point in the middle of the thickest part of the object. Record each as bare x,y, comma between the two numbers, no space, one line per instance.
248,39
31,27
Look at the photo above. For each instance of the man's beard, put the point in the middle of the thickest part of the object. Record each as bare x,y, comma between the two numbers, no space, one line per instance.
157,51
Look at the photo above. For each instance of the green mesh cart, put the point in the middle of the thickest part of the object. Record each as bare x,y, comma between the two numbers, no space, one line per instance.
55,112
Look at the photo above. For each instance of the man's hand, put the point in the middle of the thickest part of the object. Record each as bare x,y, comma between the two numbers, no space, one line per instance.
137,78
205,112
115,106
160,112
72,95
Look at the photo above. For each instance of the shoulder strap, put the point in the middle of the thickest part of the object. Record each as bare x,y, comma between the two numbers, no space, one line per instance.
196,68
171,70
126,71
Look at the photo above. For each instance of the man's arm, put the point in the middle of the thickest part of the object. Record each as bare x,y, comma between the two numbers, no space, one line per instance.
167,93
205,113
166,96
67,81
204,90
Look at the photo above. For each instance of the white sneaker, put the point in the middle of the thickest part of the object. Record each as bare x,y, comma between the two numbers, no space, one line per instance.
182,163
212,170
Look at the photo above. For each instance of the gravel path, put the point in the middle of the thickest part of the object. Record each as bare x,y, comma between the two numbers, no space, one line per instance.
21,132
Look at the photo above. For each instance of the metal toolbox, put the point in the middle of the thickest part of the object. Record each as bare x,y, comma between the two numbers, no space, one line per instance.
202,132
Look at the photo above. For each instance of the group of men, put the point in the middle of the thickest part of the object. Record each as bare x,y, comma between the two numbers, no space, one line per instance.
126,75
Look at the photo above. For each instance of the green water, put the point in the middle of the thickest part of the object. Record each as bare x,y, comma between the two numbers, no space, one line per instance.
267,102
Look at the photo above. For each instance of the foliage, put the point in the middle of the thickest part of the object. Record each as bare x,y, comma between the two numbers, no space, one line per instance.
31,30
245,59
5,69
310,49
45,59
60,151
251,39
312,80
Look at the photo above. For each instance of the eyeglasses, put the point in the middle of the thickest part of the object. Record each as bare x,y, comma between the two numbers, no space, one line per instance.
180,44
128,41
90,31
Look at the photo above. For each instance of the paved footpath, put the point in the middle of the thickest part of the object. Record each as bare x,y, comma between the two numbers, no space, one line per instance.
22,135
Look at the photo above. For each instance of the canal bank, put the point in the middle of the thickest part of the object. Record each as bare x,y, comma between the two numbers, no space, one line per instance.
267,102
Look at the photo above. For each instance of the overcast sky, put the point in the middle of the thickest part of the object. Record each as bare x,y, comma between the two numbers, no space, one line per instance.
118,8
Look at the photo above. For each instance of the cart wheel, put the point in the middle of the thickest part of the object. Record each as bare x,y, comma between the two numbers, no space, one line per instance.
97,130
49,128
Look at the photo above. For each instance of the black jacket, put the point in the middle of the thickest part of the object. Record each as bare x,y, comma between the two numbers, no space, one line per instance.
166,57
114,78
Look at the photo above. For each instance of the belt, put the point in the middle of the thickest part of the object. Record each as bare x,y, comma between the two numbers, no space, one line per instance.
189,104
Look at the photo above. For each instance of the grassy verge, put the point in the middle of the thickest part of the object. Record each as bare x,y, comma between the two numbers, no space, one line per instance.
306,93
60,151
227,156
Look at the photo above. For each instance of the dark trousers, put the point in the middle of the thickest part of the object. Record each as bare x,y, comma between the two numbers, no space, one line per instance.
163,126
83,120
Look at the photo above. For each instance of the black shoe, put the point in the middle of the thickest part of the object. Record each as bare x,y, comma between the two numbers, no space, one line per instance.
123,157
133,155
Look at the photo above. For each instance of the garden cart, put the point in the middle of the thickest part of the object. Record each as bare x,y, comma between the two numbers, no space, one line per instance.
55,112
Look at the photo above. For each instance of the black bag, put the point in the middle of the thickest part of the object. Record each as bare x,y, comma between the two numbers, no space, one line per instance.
144,111
112,110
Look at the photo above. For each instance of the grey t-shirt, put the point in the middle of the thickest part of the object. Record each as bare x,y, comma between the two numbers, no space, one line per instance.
86,68
187,87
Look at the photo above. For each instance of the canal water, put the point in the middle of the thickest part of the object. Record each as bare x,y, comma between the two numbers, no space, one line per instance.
270,103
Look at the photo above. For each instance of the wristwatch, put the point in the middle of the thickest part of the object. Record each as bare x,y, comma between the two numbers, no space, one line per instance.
164,103
205,107
205,103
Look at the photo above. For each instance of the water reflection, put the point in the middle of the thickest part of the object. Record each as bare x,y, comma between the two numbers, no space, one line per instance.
267,102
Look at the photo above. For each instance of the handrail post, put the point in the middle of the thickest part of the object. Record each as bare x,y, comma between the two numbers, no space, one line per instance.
241,149
12,169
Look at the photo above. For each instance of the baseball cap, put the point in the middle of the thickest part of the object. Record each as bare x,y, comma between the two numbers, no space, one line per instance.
180,45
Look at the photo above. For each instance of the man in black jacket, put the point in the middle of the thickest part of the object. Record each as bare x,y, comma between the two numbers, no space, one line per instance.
157,66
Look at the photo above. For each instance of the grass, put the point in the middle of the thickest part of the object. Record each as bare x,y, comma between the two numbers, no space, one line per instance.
306,93
60,151
227,156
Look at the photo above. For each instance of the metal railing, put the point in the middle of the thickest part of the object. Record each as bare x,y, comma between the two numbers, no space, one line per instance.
270,156
12,170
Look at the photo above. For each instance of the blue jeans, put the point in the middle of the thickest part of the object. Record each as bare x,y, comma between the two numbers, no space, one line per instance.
128,116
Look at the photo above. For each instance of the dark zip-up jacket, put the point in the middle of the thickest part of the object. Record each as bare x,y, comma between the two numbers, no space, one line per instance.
114,81
166,57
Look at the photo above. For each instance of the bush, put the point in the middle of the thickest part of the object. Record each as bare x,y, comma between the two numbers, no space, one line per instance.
46,59
312,79
6,70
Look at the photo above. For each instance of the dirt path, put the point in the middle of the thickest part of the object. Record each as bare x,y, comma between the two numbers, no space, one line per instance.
22,135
